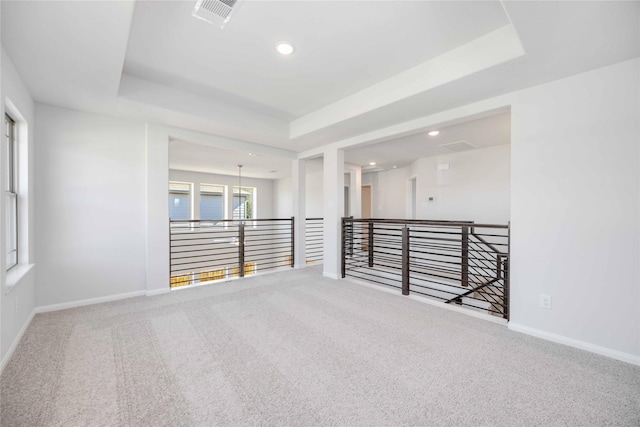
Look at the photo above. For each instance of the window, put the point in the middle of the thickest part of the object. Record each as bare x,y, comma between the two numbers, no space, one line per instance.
184,280
11,191
207,276
211,202
249,268
244,202
179,200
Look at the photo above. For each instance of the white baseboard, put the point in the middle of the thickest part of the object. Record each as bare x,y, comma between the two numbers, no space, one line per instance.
330,275
90,301
157,292
16,341
425,300
582,345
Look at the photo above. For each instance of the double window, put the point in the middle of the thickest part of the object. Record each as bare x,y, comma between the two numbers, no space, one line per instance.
11,191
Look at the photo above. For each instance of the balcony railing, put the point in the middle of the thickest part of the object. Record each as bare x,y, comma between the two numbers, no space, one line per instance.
204,250
456,262
314,241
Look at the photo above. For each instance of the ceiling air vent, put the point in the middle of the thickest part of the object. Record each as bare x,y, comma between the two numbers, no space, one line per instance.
458,146
216,12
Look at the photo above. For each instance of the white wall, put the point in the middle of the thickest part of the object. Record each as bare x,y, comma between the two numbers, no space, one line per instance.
91,198
313,199
264,206
18,302
575,207
283,197
475,188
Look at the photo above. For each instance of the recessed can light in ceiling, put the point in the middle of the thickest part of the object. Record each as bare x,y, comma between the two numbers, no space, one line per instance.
434,133
284,48
372,163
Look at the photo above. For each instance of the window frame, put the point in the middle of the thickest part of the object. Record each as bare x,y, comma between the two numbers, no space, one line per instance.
223,196
11,193
254,192
189,194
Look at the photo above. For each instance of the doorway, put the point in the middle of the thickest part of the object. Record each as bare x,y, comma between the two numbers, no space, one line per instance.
411,198
366,201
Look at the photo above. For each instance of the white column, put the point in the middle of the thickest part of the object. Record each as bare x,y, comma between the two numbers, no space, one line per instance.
333,210
298,176
355,190
157,150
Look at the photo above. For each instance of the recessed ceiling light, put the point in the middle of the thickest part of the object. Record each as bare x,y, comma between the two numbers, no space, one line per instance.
284,48
434,133
372,163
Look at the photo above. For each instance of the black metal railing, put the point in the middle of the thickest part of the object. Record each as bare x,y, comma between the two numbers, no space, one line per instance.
453,261
314,240
204,250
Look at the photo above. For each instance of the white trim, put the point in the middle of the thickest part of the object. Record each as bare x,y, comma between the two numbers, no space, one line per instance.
16,341
90,301
582,345
424,300
157,292
15,276
330,275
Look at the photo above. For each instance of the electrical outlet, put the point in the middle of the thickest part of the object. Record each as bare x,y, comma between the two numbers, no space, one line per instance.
545,301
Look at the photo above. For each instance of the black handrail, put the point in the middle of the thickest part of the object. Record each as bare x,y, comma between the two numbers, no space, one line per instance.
208,250
314,240
453,261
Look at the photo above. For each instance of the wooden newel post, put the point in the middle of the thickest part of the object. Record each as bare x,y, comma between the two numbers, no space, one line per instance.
405,261
465,256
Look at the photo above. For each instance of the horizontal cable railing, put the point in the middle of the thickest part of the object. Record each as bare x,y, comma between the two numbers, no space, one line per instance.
314,240
203,250
453,261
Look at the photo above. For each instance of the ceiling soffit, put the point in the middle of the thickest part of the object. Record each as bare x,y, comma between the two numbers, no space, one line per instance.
184,65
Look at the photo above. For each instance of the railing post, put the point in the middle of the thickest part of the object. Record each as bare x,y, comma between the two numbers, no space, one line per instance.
293,241
241,247
506,289
370,244
342,249
507,275
352,231
405,260
465,256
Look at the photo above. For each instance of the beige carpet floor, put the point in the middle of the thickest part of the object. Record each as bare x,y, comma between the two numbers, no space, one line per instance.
295,349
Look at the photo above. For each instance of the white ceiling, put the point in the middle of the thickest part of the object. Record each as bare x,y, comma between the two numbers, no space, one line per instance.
359,66
341,48
185,155
487,131
482,132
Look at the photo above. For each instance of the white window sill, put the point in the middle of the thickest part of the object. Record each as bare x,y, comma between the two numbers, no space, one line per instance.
16,274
